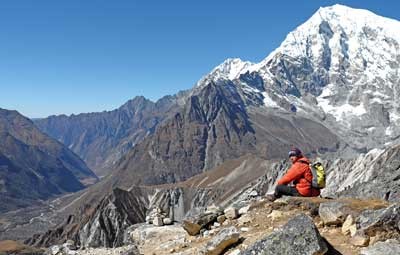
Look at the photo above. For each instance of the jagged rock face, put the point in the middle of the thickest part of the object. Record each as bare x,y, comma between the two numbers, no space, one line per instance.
101,226
33,166
100,223
340,67
348,60
105,224
214,126
114,215
372,221
102,138
211,128
372,175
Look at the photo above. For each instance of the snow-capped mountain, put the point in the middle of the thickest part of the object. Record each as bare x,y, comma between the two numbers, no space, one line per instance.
341,67
228,70
333,82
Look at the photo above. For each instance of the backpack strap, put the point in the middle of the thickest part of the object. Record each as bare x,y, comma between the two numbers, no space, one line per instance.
308,164
304,162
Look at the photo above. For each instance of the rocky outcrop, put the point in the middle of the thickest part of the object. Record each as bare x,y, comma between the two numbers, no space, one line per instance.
334,213
386,219
197,219
389,247
298,236
225,238
114,214
103,226
371,175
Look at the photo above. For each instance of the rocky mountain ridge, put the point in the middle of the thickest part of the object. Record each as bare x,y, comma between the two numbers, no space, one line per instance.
293,225
230,184
102,138
340,67
309,92
34,166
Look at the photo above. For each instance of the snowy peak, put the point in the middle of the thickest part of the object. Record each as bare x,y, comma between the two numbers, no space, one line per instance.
340,66
228,70
335,23
357,16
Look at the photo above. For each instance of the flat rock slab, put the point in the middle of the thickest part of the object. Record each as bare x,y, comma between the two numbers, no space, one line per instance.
195,223
146,235
298,236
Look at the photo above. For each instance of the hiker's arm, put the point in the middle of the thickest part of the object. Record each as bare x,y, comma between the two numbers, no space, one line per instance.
293,173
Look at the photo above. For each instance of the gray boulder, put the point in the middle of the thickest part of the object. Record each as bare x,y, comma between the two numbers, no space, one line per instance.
198,219
231,213
389,247
298,236
387,219
225,238
334,213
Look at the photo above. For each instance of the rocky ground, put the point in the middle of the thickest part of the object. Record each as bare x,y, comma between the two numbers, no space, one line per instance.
288,225
13,247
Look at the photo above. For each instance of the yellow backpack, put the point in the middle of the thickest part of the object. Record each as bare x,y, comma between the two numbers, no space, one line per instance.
318,173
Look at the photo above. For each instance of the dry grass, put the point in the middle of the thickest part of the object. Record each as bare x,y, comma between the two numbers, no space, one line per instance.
10,246
360,205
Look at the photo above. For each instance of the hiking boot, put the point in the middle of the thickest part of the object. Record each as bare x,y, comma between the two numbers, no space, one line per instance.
270,197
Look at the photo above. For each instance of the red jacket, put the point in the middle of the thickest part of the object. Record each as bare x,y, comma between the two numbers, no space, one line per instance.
300,174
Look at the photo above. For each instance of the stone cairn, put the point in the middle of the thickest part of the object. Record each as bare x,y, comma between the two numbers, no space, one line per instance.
158,218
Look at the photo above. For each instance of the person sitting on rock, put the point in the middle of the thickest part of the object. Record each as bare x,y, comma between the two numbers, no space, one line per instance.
300,174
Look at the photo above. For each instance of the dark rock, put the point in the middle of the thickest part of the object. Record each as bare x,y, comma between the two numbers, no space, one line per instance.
298,236
334,213
386,219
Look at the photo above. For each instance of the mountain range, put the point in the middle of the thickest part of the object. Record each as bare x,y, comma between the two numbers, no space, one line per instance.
102,138
34,166
330,88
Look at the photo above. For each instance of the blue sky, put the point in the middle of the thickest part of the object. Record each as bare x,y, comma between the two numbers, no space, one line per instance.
76,56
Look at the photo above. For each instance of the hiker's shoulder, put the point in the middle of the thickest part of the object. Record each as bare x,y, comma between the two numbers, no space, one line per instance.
303,160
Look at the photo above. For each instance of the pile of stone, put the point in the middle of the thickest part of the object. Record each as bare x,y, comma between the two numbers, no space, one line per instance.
158,218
